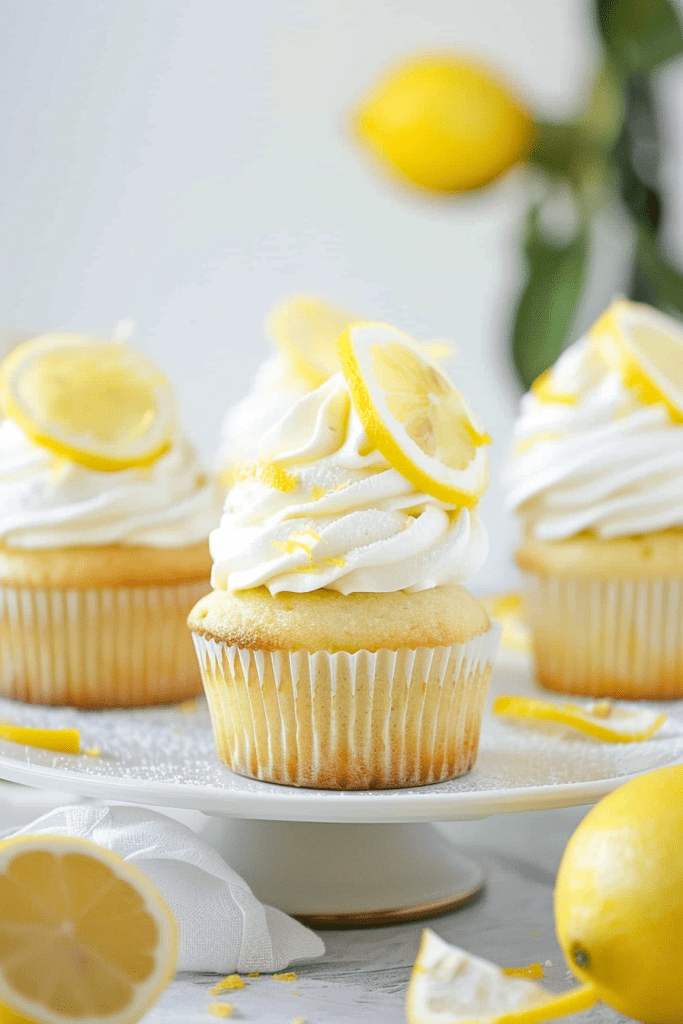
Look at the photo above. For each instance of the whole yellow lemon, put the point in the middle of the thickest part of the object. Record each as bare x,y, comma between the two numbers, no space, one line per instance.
444,124
619,898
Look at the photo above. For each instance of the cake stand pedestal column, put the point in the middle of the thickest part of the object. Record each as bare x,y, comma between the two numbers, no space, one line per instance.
333,875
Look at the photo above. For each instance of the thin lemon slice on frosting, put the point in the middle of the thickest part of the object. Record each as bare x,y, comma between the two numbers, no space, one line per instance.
413,413
101,404
84,936
448,985
305,328
646,348
602,719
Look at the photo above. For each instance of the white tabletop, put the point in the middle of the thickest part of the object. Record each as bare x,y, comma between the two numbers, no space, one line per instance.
364,974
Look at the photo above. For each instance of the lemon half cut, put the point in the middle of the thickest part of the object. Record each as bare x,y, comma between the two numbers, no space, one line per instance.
84,936
448,985
645,347
98,403
413,413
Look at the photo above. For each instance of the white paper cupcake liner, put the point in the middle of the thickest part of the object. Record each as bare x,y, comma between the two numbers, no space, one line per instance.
99,647
348,721
607,638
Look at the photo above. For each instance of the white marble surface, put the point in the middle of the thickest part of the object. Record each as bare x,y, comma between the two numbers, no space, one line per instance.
364,974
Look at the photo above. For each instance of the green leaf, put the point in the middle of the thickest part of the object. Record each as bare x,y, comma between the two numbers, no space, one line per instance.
640,34
602,117
655,280
637,154
546,306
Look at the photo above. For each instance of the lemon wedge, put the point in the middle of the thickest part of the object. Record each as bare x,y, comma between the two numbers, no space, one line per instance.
646,348
64,741
83,934
413,414
305,329
602,720
98,403
448,985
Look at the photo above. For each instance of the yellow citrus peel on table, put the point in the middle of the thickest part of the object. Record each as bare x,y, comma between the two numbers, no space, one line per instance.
413,414
603,720
645,347
63,741
443,123
84,935
97,403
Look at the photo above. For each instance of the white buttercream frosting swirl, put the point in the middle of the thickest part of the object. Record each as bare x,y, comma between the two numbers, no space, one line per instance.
271,393
50,502
595,458
322,508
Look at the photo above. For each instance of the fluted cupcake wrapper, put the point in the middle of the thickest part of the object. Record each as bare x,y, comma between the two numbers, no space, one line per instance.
380,720
607,638
98,647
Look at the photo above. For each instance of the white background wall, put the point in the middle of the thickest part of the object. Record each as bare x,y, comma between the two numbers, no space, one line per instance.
187,163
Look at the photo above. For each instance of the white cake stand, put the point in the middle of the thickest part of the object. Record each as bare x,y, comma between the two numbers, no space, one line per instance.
335,859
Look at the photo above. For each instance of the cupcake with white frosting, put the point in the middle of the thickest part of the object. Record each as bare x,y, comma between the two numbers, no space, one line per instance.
104,520
596,479
338,648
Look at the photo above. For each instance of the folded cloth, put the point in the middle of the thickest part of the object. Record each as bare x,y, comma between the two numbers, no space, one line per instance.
223,927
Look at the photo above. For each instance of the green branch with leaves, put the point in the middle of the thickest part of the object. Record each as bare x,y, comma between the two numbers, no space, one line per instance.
446,126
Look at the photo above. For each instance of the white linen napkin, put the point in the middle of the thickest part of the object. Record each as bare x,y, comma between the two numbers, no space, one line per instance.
223,927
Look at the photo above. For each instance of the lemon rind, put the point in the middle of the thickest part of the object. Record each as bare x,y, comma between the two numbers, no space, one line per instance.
382,438
91,457
526,708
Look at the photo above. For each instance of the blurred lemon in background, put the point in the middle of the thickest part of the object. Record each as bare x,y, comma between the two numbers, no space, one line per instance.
444,124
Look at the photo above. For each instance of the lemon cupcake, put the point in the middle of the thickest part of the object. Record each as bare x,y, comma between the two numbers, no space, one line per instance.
104,520
597,481
338,649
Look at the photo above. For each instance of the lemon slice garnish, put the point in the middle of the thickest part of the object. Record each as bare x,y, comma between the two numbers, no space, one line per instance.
603,720
413,414
85,935
448,985
98,403
65,741
305,328
645,347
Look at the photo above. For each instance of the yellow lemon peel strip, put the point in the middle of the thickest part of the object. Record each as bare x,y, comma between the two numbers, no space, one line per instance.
605,721
63,741
533,970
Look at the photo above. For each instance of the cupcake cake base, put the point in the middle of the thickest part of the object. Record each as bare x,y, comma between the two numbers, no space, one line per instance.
346,719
